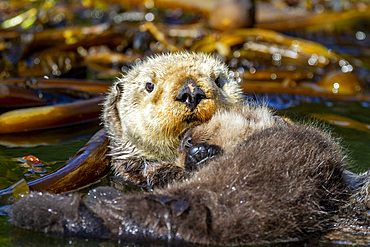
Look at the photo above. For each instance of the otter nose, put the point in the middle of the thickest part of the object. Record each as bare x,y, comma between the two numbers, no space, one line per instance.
191,94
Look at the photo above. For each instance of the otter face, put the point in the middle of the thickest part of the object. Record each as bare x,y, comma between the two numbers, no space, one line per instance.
228,128
159,99
222,133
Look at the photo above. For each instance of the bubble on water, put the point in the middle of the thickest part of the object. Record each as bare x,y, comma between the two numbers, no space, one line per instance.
343,62
276,56
236,54
360,35
313,60
149,17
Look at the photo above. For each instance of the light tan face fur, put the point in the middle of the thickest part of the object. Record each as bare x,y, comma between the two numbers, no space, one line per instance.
227,129
153,122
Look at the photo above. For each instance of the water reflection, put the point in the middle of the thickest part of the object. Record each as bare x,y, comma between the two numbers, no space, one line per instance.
55,136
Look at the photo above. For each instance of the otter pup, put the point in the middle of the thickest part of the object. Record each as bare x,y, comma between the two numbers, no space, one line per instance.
149,108
265,181
226,130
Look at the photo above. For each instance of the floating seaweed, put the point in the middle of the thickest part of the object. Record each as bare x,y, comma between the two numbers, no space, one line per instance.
50,116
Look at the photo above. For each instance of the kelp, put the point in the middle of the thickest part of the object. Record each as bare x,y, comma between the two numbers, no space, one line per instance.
218,14
50,116
15,97
93,87
276,88
343,122
16,191
59,52
108,48
72,43
288,46
50,136
29,92
335,85
90,164
310,21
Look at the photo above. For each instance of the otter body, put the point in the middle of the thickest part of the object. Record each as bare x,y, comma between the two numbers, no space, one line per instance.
274,182
150,107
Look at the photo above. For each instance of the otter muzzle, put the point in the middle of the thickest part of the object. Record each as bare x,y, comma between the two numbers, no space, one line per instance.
191,94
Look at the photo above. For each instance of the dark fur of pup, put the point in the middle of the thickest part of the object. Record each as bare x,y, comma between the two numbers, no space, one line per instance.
281,183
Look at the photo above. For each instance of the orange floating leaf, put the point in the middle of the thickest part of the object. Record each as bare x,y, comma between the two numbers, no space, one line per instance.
29,159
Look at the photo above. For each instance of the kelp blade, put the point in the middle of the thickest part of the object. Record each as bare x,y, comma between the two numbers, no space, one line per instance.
50,116
88,165
12,96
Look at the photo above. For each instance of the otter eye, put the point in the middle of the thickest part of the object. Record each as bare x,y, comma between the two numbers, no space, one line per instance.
149,87
219,82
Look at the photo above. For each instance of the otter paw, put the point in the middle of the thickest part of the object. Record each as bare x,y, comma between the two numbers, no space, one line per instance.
200,153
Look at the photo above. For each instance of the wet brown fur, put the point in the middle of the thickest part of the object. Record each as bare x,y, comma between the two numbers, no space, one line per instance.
280,182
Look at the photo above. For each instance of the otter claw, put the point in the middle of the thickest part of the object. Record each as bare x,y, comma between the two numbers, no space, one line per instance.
198,154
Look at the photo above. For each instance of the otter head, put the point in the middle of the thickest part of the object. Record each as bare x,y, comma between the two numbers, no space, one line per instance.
149,108
223,133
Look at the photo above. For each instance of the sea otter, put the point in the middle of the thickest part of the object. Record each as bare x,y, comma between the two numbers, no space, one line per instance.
149,108
255,179
238,175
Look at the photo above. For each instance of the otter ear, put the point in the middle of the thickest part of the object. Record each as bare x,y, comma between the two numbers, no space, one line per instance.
113,96
119,90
